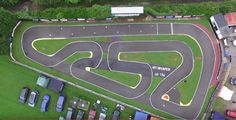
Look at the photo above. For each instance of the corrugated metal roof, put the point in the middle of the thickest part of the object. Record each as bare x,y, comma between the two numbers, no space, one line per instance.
220,20
126,10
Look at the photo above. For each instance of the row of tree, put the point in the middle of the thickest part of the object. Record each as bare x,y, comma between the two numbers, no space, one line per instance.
7,22
96,11
61,2
204,8
8,2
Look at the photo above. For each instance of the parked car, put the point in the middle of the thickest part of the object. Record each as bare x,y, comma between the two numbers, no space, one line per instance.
45,103
60,103
103,115
33,98
92,112
96,104
61,118
233,81
80,115
230,113
24,94
116,114
69,113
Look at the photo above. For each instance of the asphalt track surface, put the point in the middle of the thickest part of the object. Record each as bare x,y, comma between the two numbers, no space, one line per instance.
77,69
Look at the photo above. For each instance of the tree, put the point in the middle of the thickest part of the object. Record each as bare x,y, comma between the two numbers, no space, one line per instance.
6,25
224,9
8,2
73,1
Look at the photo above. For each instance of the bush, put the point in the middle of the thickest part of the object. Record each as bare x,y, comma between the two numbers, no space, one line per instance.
95,11
8,3
204,8
7,22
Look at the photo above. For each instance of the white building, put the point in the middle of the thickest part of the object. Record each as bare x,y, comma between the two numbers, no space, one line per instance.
127,11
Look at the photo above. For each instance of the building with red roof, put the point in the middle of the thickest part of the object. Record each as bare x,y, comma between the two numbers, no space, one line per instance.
231,18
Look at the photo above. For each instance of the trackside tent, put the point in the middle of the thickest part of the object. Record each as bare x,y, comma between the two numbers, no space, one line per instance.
140,116
217,116
226,93
127,11
56,85
42,81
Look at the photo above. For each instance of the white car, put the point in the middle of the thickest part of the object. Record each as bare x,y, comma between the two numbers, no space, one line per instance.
33,98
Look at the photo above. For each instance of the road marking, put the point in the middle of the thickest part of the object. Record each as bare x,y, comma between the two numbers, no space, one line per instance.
94,33
171,26
157,28
140,31
105,26
83,27
50,35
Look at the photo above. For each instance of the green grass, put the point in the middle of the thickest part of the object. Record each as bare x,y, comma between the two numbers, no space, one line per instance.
44,47
124,78
208,97
155,82
12,109
170,59
18,54
189,84
220,105
77,56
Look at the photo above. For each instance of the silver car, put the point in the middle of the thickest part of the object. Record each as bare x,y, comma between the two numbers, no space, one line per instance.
33,98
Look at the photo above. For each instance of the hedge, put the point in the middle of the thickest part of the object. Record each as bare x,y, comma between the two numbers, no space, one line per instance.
96,11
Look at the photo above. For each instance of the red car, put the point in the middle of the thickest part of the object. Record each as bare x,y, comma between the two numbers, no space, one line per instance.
231,114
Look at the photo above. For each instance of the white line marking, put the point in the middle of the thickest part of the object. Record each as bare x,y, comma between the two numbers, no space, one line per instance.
171,26
157,28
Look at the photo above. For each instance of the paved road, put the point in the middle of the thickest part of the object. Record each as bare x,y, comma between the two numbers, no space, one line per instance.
77,69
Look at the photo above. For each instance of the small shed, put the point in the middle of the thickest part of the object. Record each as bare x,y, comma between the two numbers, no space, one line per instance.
127,11
56,85
43,81
79,103
83,104
140,116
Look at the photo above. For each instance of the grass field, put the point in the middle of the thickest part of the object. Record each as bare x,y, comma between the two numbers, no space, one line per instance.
77,56
44,47
18,55
11,109
169,59
124,78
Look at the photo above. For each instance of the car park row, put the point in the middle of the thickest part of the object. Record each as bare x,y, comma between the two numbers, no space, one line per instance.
31,97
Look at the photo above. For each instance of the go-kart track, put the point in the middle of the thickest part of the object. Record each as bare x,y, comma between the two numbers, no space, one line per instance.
79,69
